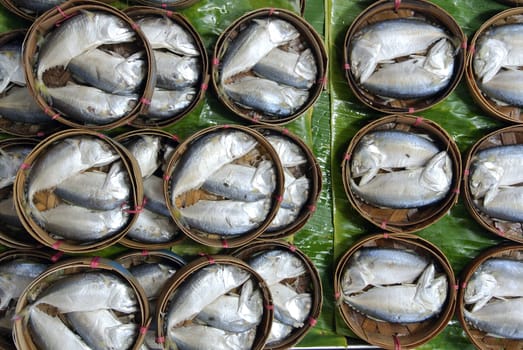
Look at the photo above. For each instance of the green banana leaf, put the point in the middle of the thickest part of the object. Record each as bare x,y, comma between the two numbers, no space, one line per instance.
328,128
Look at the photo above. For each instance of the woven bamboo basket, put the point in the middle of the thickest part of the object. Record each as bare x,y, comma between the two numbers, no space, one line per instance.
505,111
143,120
12,236
263,150
409,219
310,282
311,39
22,332
310,169
48,199
483,340
181,276
420,9
168,5
512,135
167,140
60,76
389,335
28,14
20,128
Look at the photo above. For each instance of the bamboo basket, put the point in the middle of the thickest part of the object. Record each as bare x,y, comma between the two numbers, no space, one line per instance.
511,135
311,283
482,340
201,86
50,200
389,335
384,10
311,170
167,139
45,24
409,219
312,40
506,113
177,281
27,15
71,266
174,5
263,150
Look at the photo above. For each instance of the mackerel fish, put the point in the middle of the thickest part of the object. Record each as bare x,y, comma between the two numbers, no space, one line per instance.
11,158
500,318
194,337
409,188
201,289
154,196
381,266
254,43
507,205
11,67
145,149
174,72
389,149
151,227
168,103
279,332
499,47
505,87
290,308
79,34
277,265
17,105
289,153
15,276
152,277
387,40
494,278
495,167
284,217
405,303
296,191
205,156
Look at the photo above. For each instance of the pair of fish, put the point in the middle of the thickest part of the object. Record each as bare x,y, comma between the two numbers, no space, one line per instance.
417,172
280,77
427,70
494,182
221,320
178,66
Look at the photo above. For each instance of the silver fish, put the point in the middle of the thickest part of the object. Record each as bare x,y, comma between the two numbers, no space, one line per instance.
196,337
419,77
109,71
254,42
296,191
146,150
389,149
387,40
90,105
11,158
49,332
279,332
289,68
507,205
500,318
289,152
89,291
167,103
154,196
82,224
64,159
404,303
505,87
153,228
164,33
225,217
283,218
202,288
37,6
83,32
95,189
8,214
206,155
242,182
499,46
174,72
15,276
290,308
277,265
495,167
494,278
18,105
152,277
409,188
235,313
381,266
266,95
101,329
11,67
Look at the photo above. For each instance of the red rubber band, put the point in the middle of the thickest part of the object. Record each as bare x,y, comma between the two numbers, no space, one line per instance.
143,330
386,235
271,11
25,166
397,345
269,307
337,295
312,321
145,252
292,248
312,208
215,61
209,258
205,87
56,245
57,256
166,177
397,4
225,244
466,172
346,66
160,340
347,156
384,226
95,262
145,101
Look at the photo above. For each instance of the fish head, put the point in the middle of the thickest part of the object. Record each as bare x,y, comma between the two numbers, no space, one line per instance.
96,152
281,32
437,174
111,27
366,159
306,65
237,144
489,58
440,58
485,176
480,286
363,58
356,277
431,291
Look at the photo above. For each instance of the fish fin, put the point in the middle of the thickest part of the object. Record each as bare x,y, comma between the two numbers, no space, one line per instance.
368,176
490,195
480,303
